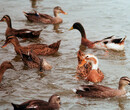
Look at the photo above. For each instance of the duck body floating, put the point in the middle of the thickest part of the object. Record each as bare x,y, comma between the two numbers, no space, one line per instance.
88,69
54,103
38,49
111,42
31,60
100,91
20,33
45,18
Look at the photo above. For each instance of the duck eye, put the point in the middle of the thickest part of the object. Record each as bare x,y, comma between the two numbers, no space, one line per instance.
58,98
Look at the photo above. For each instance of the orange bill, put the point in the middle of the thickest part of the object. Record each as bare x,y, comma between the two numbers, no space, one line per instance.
64,12
5,44
71,28
82,63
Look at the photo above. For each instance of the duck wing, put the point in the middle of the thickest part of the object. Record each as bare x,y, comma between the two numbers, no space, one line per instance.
30,59
30,105
37,46
46,16
94,88
37,104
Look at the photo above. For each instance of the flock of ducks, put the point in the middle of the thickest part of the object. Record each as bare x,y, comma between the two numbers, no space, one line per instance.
87,68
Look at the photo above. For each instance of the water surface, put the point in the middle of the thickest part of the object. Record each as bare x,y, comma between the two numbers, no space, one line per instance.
100,18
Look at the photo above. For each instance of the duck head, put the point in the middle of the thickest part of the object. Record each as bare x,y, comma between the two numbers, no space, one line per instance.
10,39
58,10
79,27
92,59
7,65
5,18
123,82
55,101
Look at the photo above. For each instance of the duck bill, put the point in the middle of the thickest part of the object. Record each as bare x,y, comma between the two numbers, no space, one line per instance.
5,44
63,12
82,63
71,28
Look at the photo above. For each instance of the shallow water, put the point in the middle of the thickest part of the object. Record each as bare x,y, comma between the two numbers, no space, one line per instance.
100,18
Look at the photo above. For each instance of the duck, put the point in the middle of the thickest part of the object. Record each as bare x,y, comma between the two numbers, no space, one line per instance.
31,60
54,103
20,33
38,49
88,68
100,91
4,66
45,18
108,43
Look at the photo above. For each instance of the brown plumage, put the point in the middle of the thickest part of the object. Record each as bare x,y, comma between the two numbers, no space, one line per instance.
38,49
4,66
21,33
31,60
82,70
54,103
45,18
100,91
87,68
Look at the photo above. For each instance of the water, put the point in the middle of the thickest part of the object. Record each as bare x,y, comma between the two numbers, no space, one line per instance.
100,18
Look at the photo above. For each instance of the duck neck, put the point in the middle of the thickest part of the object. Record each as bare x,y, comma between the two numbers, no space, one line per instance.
9,24
17,46
94,62
84,40
56,14
82,31
121,87
2,70
94,66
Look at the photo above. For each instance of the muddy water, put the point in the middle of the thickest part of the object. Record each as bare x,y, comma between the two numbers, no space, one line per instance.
100,18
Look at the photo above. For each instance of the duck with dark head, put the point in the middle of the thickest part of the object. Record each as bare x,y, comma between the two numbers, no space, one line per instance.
111,42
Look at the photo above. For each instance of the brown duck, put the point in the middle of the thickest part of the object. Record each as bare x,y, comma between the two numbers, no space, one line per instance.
31,60
45,18
99,91
88,69
21,33
38,49
54,103
4,66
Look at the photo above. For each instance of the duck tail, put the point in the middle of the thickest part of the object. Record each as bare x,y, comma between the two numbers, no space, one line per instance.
45,65
123,39
16,106
55,45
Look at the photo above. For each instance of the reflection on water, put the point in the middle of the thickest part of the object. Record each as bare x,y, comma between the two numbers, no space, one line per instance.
33,2
121,105
56,28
